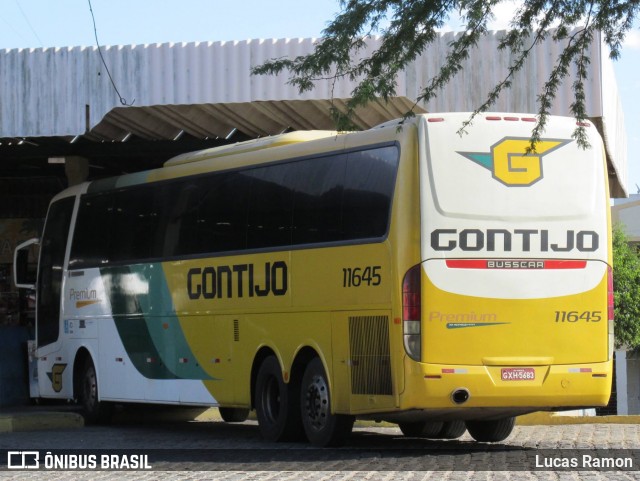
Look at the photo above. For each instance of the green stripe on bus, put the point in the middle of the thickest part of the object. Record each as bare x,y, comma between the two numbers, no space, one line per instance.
147,324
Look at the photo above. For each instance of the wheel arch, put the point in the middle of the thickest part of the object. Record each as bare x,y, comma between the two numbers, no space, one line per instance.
82,354
302,358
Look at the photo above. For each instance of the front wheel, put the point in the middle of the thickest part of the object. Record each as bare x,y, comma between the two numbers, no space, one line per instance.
491,431
322,427
94,411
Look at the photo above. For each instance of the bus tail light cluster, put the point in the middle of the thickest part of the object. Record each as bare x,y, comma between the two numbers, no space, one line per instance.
610,310
610,296
412,312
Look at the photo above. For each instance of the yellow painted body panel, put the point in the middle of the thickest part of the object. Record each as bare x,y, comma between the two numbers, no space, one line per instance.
467,330
314,313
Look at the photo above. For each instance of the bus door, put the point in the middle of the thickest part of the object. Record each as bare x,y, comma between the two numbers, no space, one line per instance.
54,374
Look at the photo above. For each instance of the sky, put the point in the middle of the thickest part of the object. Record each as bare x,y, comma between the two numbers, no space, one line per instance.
67,23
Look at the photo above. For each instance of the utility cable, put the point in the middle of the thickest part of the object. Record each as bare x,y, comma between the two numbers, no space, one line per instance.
24,15
123,101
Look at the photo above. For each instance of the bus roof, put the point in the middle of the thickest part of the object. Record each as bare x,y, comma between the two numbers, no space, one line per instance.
250,145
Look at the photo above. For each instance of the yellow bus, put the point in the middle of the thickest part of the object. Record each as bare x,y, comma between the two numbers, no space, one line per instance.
406,273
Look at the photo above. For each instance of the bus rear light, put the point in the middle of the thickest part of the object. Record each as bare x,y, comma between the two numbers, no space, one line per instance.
412,312
610,296
610,311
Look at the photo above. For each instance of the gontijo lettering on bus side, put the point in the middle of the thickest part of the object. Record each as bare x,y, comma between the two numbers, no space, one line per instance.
237,280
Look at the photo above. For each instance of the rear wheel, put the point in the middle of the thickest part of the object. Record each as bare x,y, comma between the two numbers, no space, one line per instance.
421,429
277,404
234,415
94,411
491,431
322,427
452,430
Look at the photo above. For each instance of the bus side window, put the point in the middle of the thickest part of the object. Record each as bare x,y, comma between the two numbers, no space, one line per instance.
317,215
371,176
271,206
136,219
90,246
179,207
222,212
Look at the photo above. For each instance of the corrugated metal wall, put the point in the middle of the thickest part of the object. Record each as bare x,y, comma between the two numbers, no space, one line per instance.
44,92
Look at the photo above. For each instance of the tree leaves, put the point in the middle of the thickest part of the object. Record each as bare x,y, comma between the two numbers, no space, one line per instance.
626,286
407,27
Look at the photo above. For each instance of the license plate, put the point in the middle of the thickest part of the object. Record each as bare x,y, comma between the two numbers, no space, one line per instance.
518,374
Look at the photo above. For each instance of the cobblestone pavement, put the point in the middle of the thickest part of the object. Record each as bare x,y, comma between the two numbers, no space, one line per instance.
215,450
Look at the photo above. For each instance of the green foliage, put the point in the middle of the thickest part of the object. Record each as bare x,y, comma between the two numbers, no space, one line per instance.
626,286
407,27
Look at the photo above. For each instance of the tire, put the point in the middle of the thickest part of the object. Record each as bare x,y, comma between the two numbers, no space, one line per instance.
234,415
277,404
321,426
421,429
491,431
94,411
452,430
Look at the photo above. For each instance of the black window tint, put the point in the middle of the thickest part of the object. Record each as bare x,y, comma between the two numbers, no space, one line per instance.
90,245
53,249
180,204
136,221
317,200
368,192
222,212
271,205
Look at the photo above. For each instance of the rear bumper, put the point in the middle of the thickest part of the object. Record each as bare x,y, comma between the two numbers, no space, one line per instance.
431,386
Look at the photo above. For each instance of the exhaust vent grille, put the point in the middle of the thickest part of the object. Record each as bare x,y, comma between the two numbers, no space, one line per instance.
236,330
370,356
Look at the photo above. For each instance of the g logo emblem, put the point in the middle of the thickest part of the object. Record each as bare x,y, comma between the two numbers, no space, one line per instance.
56,376
511,164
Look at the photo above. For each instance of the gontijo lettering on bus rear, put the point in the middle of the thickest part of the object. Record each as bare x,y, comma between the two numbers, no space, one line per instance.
526,240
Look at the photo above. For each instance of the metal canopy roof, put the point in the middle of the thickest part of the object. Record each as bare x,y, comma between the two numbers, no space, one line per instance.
130,139
252,119
200,93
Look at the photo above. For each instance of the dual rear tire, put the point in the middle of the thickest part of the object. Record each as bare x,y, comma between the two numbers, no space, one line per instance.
434,429
293,411
491,431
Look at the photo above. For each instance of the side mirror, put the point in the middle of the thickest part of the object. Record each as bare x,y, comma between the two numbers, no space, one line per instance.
25,272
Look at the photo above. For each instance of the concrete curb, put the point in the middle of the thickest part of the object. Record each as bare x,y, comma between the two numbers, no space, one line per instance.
555,419
38,421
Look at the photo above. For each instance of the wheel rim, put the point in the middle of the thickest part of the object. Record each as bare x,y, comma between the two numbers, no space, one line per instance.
271,400
317,403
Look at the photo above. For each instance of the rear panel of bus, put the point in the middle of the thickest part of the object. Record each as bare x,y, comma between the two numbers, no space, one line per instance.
515,276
